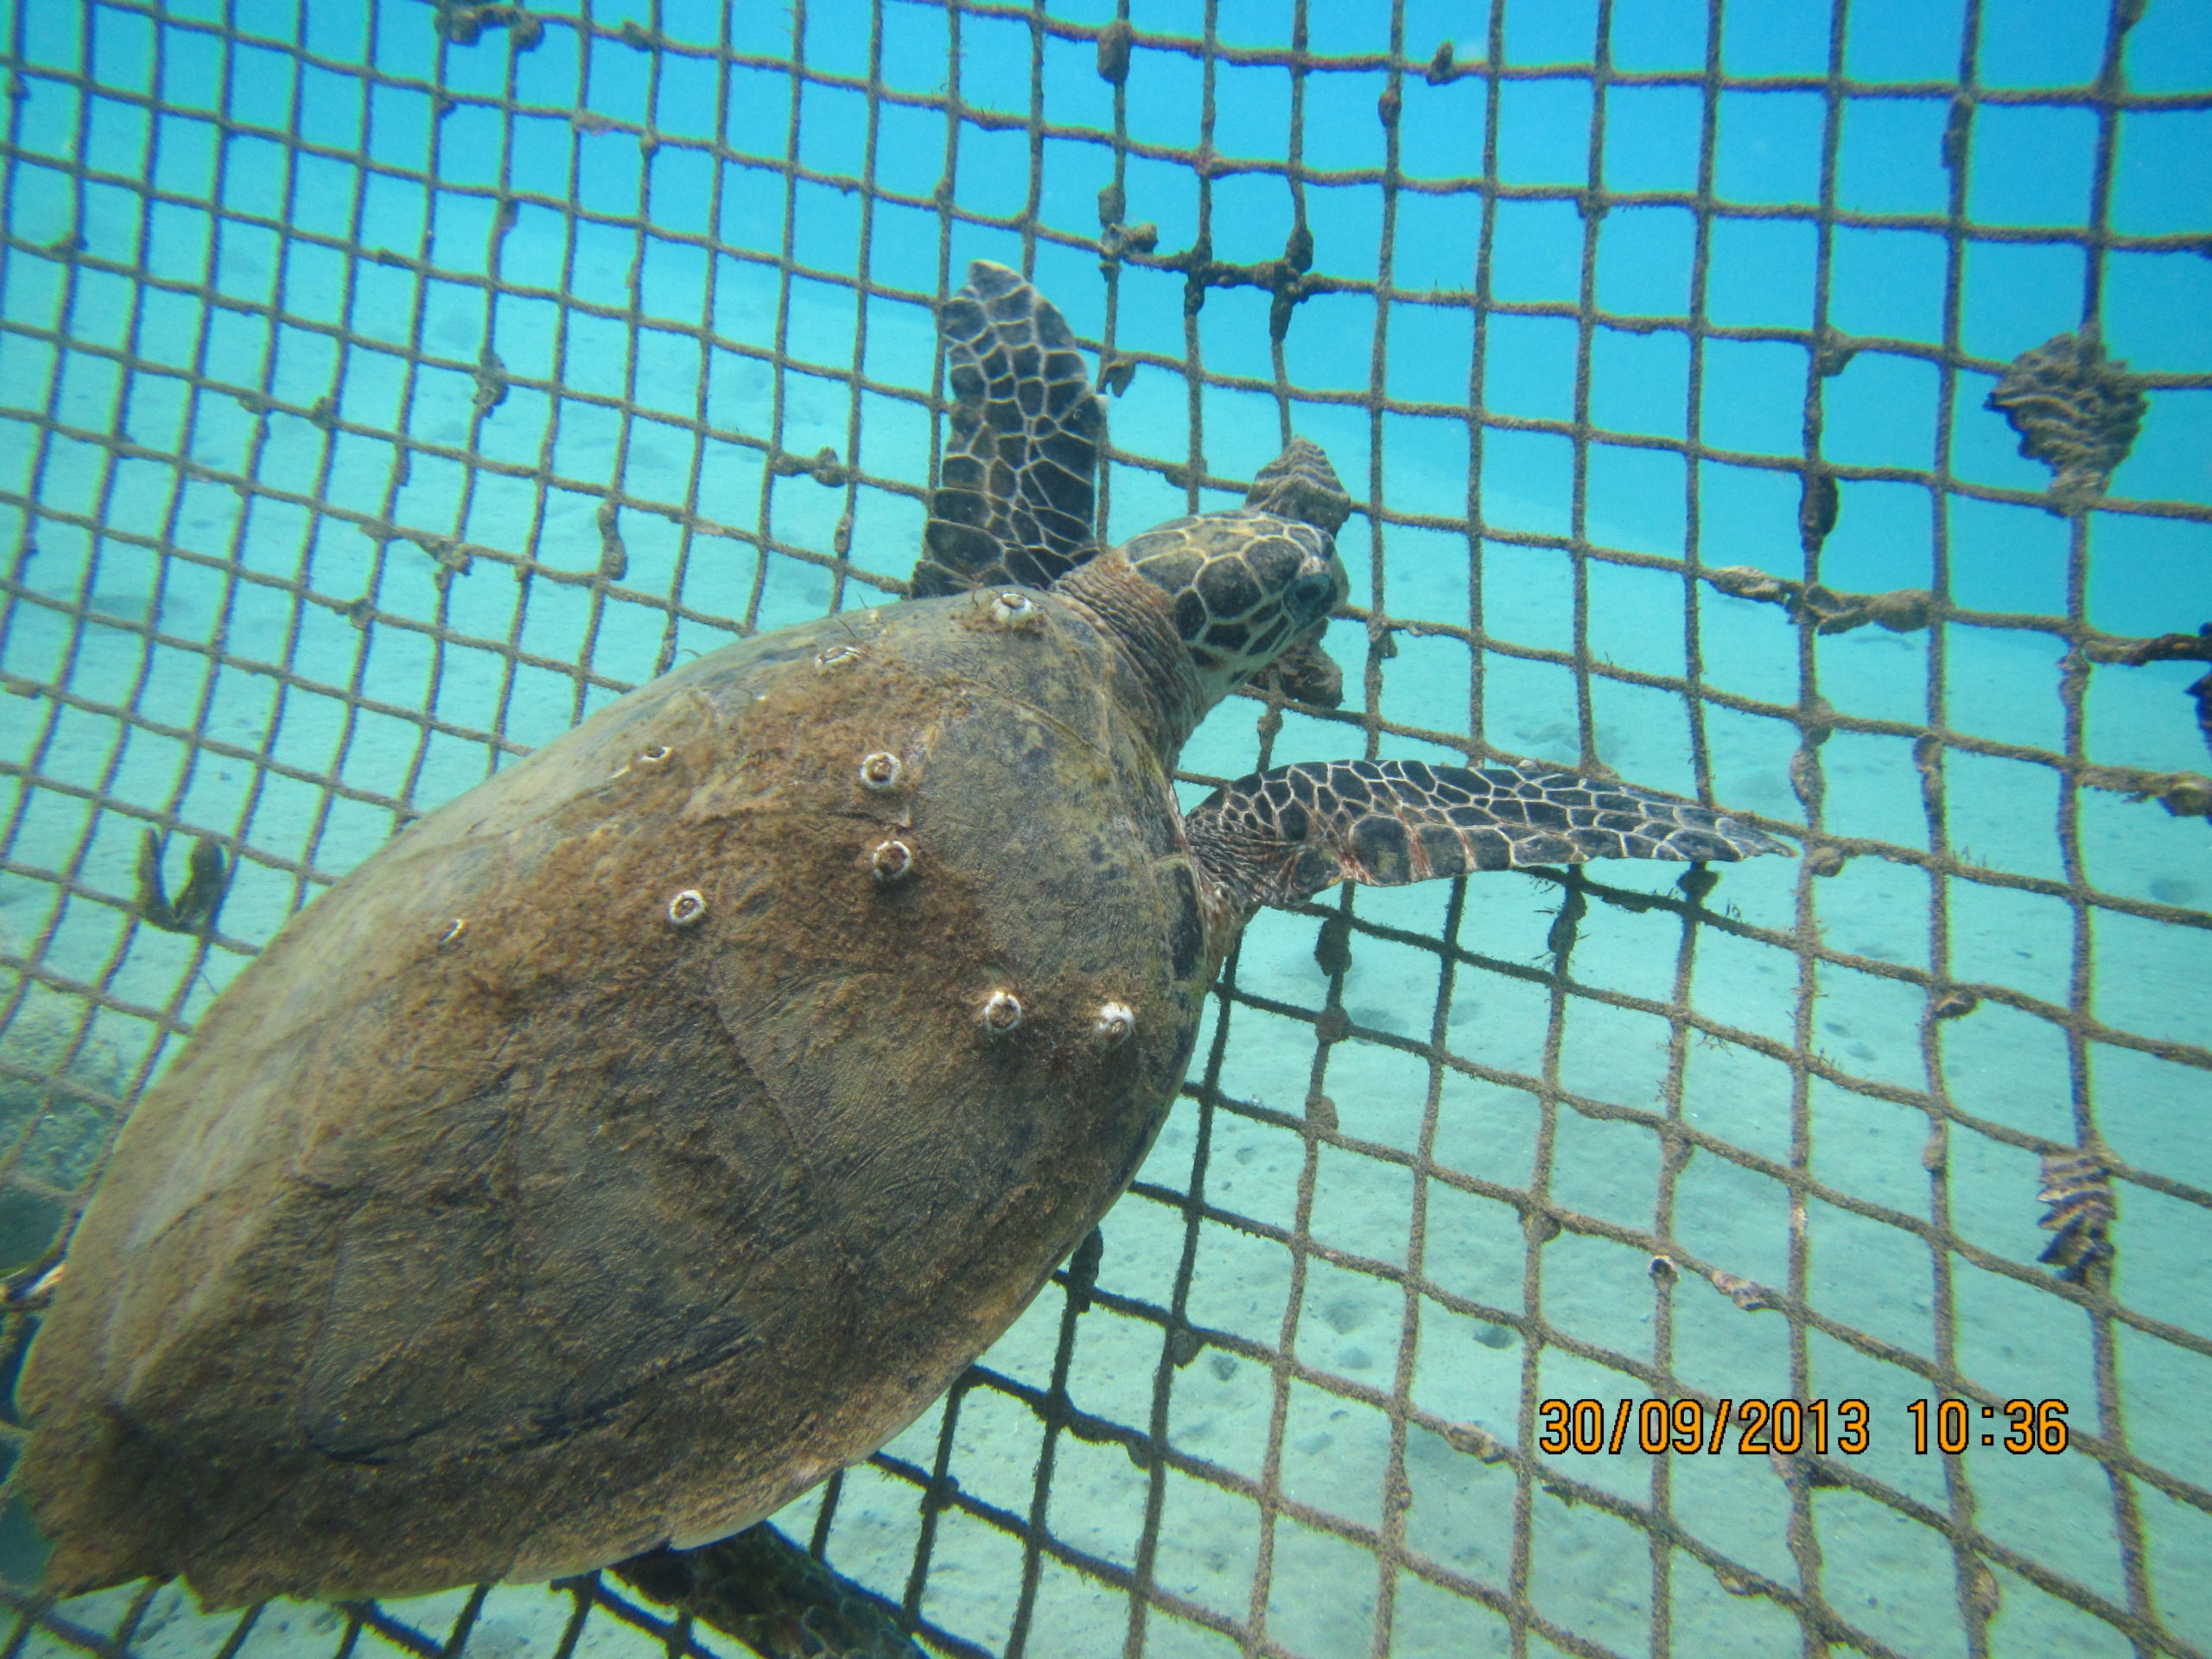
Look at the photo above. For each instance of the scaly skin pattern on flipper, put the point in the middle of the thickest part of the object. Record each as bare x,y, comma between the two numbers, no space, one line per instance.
1300,484
1279,838
1016,494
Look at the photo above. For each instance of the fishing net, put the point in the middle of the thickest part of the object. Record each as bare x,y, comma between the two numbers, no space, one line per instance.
1803,408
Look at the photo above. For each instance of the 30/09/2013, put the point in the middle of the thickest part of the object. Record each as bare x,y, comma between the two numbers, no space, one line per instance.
1757,1427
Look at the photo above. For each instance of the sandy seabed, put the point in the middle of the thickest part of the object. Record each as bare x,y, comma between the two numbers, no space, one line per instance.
1589,1571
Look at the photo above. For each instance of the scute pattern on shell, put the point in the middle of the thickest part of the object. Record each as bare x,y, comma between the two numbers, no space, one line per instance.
1283,836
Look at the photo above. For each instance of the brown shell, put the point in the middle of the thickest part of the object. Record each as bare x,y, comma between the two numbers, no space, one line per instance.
494,1225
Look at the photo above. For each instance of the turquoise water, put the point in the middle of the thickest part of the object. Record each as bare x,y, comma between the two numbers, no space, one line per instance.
223,612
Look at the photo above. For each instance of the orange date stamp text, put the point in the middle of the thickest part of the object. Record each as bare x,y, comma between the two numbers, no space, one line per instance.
1756,1428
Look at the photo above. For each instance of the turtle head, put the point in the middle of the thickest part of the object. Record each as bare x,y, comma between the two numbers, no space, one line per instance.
1246,588
1250,585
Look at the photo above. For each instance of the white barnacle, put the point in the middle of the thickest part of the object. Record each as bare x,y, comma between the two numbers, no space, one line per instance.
687,909
831,656
1114,1022
891,860
1012,609
656,755
454,929
1002,1012
880,770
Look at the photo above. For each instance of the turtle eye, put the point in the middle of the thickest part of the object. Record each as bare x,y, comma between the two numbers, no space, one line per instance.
1313,592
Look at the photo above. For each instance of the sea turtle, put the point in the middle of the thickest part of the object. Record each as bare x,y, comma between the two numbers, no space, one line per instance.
668,1120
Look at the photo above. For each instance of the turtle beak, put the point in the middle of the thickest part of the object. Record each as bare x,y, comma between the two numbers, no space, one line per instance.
1307,674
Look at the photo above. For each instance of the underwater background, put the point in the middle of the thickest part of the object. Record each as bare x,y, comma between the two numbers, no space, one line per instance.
385,386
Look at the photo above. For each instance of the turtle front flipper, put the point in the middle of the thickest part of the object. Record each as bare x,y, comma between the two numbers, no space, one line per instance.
770,1594
1277,837
1016,498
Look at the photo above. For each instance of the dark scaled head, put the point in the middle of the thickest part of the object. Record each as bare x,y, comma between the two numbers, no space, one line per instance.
1249,585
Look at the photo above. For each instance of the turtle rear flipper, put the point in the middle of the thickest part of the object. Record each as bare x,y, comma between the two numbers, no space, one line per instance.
1016,498
763,1589
1300,484
1277,837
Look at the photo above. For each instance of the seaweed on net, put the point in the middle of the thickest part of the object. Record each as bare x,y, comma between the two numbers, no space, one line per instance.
2078,1188
2076,411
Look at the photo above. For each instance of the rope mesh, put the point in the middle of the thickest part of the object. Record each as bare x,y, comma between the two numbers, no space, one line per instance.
385,387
